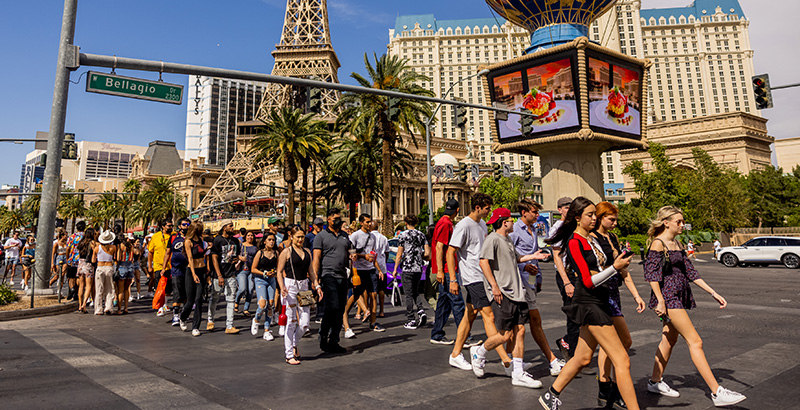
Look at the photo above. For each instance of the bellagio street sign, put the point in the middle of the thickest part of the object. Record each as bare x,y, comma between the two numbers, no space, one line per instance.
118,85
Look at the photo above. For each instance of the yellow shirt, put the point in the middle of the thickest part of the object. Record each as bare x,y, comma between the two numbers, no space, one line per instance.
158,247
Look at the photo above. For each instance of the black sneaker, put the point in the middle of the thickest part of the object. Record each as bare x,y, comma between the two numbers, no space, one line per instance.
442,341
472,342
423,318
411,325
549,401
376,328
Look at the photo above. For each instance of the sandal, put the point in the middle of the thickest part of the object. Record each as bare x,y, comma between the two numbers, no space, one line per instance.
296,354
365,318
293,361
236,308
247,313
358,316
125,312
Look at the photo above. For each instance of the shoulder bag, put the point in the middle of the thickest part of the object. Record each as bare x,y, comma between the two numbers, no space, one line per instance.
304,297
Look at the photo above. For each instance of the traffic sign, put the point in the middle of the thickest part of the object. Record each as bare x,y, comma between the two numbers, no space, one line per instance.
475,170
121,86
448,170
507,170
438,171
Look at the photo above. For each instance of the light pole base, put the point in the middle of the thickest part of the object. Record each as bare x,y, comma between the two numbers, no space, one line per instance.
41,292
571,169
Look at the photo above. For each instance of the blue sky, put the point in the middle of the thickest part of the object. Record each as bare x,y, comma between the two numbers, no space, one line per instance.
240,34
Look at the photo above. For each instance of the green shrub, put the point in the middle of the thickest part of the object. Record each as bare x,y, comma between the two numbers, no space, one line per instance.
7,295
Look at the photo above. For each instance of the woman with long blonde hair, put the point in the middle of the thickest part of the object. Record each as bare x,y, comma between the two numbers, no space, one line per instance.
669,272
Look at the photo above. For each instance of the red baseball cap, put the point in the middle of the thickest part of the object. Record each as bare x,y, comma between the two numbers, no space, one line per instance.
499,213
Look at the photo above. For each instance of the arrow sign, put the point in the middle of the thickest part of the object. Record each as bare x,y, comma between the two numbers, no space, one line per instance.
507,170
476,171
448,171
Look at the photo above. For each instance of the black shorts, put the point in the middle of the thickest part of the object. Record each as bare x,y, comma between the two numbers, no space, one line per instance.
509,314
369,282
476,295
381,283
72,272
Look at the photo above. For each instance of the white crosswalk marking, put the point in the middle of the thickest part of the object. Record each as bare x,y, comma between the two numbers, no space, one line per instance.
457,381
118,375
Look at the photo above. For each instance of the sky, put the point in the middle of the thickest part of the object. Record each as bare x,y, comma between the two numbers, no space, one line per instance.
240,34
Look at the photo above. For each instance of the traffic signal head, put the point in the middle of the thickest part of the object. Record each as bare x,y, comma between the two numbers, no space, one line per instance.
526,171
462,172
271,189
763,94
393,109
461,116
526,124
43,160
240,184
314,100
497,173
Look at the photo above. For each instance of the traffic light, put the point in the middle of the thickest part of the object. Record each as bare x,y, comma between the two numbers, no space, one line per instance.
526,124
271,189
393,109
461,116
526,172
42,161
496,172
314,100
70,148
462,172
762,91
240,184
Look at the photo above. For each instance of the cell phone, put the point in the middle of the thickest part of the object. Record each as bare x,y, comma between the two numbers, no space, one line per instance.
627,254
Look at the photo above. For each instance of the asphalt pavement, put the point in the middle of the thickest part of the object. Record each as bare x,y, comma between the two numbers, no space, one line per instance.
139,360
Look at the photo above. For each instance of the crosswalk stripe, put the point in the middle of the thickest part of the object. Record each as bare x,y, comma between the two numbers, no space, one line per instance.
120,376
457,381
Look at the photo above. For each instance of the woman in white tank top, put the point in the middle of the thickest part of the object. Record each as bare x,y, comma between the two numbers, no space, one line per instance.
105,255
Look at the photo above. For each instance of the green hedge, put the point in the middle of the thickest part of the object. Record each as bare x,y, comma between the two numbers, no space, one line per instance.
7,295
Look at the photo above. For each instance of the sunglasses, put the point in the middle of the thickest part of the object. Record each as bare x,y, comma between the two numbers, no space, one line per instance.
185,224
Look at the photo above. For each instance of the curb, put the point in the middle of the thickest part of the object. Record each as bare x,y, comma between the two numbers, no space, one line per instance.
38,312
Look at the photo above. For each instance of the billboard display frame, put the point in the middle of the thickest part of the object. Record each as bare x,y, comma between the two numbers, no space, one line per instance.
614,62
522,68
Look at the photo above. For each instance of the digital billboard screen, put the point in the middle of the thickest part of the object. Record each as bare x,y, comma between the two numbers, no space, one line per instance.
615,95
544,88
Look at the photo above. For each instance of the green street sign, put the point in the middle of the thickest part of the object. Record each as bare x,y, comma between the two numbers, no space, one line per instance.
118,85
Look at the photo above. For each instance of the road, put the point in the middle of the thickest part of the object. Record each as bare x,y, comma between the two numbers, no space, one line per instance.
139,360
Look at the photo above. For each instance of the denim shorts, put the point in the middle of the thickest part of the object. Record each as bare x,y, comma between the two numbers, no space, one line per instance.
125,270
136,266
12,260
61,259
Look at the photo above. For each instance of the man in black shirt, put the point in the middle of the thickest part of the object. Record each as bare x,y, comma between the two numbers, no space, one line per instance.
225,256
331,259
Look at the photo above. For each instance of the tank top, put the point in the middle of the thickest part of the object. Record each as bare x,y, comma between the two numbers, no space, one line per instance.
299,265
61,250
127,255
198,249
266,264
103,256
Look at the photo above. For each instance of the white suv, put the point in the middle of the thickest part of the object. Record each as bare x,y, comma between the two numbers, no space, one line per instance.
764,250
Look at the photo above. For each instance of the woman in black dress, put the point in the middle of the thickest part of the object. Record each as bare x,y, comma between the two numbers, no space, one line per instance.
590,304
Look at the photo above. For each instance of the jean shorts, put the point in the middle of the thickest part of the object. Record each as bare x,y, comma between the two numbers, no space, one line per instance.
126,270
61,259
12,260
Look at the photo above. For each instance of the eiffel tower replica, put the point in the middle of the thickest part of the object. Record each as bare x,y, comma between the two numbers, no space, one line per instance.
305,51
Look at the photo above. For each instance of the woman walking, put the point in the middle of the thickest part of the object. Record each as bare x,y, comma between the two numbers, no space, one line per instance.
265,268
125,257
137,268
196,251
245,278
85,269
104,255
669,272
26,259
590,304
59,259
606,214
294,272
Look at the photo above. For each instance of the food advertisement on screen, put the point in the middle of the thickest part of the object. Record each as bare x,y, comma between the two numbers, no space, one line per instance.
614,98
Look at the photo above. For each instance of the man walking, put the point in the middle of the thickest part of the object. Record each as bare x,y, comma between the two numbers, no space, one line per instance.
225,256
12,247
157,248
316,228
498,260
176,259
449,300
465,247
410,250
366,267
331,258
526,242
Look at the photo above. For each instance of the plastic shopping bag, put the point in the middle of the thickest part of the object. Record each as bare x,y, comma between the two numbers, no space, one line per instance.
160,297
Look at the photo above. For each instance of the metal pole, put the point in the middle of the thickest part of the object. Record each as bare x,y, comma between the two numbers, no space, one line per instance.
55,141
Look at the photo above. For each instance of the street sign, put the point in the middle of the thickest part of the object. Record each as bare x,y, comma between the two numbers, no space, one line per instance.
118,85
507,170
475,170
438,171
448,170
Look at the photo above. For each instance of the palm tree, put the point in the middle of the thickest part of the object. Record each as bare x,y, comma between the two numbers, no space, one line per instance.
342,183
15,219
132,186
288,136
71,207
370,111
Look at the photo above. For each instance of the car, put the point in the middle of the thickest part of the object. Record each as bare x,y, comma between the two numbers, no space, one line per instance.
390,261
764,250
393,244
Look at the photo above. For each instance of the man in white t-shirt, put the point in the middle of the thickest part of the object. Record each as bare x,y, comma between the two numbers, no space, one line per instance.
717,248
12,248
465,249
381,249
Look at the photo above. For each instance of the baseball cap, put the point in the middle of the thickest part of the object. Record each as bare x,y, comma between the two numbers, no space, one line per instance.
564,201
272,219
319,221
451,206
499,213
226,222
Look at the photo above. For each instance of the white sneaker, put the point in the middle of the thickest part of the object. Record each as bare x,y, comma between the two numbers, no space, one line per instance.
282,330
510,369
349,333
160,312
268,335
138,296
556,366
725,397
477,362
526,380
130,298
662,388
195,332
183,325
459,362
254,327
91,303
12,282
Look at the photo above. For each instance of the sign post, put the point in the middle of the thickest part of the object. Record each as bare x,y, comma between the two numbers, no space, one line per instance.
121,86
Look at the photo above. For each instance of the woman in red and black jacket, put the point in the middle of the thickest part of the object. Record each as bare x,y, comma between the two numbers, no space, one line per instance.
590,307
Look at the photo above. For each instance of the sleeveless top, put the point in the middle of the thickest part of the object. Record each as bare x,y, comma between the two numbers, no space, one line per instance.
61,250
127,255
103,256
299,265
266,264
198,249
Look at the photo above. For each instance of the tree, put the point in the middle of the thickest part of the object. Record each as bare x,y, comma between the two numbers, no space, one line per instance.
14,219
718,198
107,208
133,186
506,192
367,111
342,184
287,136
71,207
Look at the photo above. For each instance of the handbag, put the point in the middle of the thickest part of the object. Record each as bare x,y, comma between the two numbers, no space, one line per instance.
396,299
355,278
304,297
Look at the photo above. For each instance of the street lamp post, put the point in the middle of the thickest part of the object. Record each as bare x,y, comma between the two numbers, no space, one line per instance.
428,141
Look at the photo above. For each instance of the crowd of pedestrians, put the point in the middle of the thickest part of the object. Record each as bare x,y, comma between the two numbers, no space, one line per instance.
333,267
